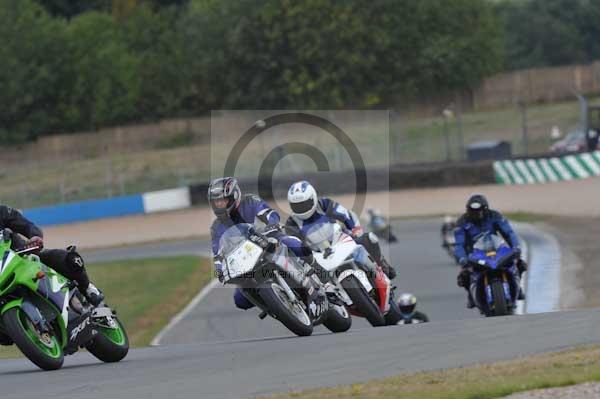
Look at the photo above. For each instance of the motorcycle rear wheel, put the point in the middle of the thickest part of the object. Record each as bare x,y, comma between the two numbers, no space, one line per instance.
110,344
338,319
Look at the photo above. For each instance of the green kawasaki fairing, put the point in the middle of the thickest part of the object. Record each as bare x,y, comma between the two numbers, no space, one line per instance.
35,314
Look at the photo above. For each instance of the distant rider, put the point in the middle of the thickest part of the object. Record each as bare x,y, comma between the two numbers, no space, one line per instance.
307,209
66,262
447,228
231,208
477,220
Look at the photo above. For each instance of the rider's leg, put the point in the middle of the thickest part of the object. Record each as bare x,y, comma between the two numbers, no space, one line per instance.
465,279
304,254
241,301
70,264
371,244
301,251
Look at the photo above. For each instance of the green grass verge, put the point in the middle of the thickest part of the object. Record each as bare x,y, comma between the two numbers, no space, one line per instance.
478,382
146,293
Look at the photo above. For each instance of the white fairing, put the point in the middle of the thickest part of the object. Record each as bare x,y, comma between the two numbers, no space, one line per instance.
360,275
329,239
242,259
341,251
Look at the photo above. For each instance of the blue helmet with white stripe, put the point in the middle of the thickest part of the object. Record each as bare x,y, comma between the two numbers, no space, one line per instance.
303,199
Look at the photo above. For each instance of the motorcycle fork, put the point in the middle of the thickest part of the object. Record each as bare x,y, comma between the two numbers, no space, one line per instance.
283,284
488,290
506,287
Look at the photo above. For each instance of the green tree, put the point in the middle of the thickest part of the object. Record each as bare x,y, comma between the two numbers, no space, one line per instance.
33,58
156,43
103,85
550,32
71,8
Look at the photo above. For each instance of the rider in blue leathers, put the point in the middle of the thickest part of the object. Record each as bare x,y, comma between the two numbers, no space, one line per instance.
477,220
307,209
231,208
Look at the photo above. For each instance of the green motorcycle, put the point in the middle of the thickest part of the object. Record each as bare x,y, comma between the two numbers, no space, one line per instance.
46,316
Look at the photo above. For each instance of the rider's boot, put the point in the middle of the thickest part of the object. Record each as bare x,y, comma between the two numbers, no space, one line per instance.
387,268
93,295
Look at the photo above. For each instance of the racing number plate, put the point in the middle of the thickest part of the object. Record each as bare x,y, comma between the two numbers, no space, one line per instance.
243,259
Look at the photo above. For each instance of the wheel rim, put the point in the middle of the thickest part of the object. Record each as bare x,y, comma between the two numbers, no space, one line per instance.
45,342
115,335
295,308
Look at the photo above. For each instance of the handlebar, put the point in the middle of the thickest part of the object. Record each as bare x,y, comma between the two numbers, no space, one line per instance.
28,249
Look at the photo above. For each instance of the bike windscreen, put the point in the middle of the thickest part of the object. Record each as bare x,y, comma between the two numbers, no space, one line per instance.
320,236
489,243
234,236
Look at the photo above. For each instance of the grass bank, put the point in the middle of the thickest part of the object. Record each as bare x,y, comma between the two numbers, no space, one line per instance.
478,382
146,293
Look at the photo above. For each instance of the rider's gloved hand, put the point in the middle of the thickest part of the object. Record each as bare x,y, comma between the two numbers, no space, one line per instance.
517,251
357,231
36,241
463,262
272,244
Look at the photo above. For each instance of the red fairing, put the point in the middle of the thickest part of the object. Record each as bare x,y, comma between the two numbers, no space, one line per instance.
382,284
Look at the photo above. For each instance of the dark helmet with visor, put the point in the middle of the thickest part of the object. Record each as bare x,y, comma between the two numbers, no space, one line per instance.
224,196
477,207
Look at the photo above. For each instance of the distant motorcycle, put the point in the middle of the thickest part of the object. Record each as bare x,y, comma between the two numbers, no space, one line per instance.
365,289
493,287
380,226
275,282
407,304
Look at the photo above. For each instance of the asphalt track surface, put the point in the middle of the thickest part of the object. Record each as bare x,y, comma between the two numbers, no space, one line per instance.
218,351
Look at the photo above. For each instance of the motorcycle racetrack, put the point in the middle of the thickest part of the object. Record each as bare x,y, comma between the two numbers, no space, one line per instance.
218,351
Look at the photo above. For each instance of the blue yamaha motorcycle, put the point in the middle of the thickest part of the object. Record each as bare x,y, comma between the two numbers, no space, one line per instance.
495,279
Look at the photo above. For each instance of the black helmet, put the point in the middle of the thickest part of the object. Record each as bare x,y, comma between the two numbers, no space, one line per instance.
224,196
477,207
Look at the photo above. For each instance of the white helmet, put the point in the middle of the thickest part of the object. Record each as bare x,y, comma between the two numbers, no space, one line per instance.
303,200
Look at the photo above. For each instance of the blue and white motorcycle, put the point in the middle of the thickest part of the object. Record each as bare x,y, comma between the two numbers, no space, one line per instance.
495,279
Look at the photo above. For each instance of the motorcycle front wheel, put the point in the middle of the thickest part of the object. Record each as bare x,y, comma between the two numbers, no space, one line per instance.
291,315
43,349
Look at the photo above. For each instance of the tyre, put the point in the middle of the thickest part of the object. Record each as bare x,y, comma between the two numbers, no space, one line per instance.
500,305
338,319
110,344
44,350
362,301
393,316
293,316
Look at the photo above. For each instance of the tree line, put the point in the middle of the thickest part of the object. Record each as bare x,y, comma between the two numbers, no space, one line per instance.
72,65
